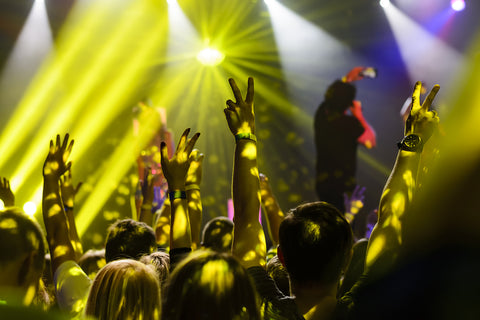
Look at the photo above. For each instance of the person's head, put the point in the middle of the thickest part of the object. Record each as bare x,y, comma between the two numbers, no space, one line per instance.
217,234
210,285
340,95
22,255
128,238
161,262
279,274
315,244
91,261
124,289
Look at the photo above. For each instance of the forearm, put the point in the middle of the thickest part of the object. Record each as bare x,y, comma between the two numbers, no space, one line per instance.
396,199
146,214
274,215
249,239
56,225
180,234
195,211
73,233
162,225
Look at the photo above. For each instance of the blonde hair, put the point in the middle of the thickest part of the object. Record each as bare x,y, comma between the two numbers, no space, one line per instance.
124,289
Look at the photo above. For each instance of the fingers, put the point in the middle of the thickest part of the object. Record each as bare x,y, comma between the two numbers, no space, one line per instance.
78,187
52,147
250,91
163,153
236,92
183,138
428,101
191,143
231,105
416,97
57,142
65,141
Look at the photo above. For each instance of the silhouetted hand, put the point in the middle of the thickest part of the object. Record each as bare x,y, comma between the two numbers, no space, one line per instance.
68,190
240,115
175,169
421,120
6,193
56,163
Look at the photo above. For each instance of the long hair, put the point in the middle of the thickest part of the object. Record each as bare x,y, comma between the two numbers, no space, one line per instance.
210,285
125,289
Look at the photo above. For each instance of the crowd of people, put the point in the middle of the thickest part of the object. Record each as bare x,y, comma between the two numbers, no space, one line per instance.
166,266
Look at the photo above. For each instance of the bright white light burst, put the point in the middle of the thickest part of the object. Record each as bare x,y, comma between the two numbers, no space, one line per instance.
210,57
30,208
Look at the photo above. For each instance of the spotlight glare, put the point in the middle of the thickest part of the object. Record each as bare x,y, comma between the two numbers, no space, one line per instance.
2,205
210,57
269,2
30,208
458,5
385,3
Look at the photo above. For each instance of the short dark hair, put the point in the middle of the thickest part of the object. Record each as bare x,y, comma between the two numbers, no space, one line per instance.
92,261
340,95
217,234
129,239
316,241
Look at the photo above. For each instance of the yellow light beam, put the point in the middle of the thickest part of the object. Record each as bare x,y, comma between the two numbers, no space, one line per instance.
118,165
42,90
67,110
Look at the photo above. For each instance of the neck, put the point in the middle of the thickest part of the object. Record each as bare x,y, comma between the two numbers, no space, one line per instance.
315,301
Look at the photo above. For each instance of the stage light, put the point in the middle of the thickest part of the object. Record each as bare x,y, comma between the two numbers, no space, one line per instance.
30,208
269,2
385,3
458,5
210,57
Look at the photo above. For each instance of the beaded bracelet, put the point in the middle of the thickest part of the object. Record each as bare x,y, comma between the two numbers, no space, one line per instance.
249,136
192,186
177,194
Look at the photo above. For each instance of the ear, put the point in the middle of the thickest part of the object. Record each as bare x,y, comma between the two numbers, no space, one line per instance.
280,255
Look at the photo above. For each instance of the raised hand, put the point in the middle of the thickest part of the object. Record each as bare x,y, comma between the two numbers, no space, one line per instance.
175,169
6,194
194,175
67,189
56,163
421,120
147,185
240,115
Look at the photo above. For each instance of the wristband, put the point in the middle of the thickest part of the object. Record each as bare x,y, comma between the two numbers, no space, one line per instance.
177,194
249,136
67,208
192,186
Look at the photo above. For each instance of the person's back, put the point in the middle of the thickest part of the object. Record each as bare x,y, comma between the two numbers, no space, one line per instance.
336,135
